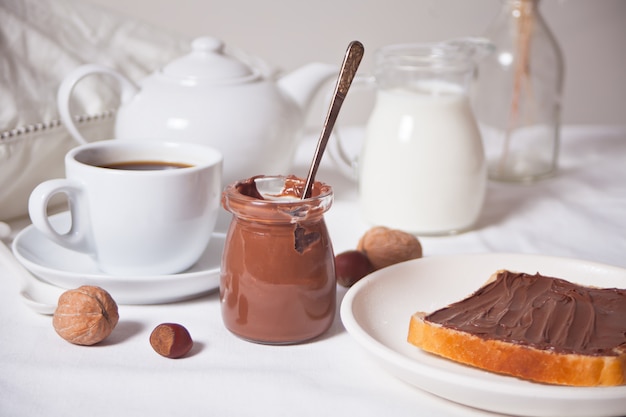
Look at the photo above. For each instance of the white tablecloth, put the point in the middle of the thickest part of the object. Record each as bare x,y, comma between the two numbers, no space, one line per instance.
579,213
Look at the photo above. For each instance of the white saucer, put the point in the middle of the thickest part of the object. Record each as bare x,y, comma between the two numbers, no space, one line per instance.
69,269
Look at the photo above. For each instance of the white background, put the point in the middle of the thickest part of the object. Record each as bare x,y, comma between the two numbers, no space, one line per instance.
289,33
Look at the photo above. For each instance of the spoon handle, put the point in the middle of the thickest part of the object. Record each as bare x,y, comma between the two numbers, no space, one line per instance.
350,64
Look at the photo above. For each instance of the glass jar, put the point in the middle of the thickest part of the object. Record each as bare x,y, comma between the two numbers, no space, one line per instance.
277,283
517,98
422,167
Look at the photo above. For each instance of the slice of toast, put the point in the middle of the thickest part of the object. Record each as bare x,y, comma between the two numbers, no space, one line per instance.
533,327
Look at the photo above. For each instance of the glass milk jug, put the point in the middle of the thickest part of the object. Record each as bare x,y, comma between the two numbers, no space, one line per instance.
422,167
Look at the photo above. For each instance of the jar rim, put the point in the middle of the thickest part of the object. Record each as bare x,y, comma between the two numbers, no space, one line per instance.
280,209
455,55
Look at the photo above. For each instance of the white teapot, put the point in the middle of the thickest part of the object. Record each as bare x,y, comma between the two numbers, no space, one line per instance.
216,99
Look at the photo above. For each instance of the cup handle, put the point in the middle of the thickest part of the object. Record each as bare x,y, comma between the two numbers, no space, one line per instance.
128,89
78,237
345,162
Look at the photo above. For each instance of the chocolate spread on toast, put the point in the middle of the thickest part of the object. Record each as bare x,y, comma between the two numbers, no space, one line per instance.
542,312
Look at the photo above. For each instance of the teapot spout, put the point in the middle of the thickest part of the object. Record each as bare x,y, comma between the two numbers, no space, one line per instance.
302,84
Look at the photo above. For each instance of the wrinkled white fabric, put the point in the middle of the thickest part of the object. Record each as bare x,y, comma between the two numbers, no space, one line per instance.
41,41
578,214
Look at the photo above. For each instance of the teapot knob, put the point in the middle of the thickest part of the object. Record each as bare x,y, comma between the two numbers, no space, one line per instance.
208,62
207,44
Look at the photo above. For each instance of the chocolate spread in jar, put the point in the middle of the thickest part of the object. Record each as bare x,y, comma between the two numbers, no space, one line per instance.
542,312
277,283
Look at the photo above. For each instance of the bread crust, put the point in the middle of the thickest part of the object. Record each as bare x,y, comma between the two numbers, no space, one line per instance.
517,360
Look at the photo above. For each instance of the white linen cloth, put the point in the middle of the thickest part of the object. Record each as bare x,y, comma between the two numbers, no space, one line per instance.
579,213
40,43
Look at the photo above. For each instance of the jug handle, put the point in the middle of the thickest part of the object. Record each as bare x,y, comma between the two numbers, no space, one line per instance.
129,89
346,163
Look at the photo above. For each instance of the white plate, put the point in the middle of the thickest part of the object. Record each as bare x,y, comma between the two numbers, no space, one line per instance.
69,269
376,313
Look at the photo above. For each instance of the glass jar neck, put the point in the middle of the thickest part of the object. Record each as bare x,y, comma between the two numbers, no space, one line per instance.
413,66
245,205
521,7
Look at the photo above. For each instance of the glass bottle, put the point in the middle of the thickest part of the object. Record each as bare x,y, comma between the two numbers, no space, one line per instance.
517,100
277,283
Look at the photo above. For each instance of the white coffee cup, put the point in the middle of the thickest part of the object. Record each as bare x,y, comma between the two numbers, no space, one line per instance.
135,222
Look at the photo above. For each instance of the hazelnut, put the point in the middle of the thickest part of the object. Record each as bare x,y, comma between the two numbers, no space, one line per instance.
171,340
351,266
85,315
384,246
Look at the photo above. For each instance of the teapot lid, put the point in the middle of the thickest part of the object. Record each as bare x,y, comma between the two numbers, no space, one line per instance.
208,62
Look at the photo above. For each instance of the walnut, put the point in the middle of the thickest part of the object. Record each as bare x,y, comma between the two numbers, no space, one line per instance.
85,316
384,246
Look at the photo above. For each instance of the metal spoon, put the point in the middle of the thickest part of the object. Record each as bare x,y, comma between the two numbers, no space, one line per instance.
38,295
351,62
